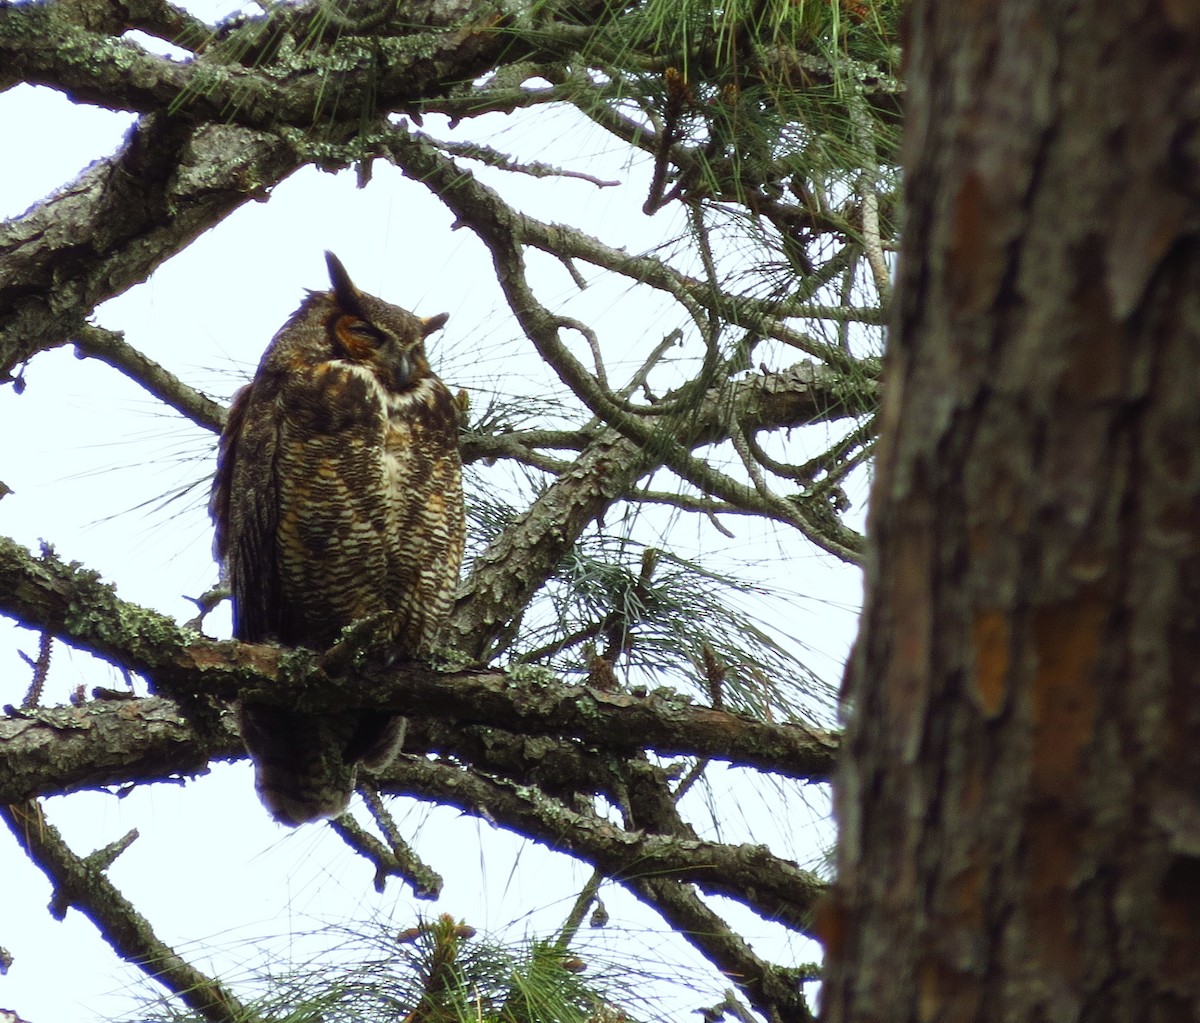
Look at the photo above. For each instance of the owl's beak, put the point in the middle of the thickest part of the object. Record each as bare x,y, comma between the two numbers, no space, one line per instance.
401,366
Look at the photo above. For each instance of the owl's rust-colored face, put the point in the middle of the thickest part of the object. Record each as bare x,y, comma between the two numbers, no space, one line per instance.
377,334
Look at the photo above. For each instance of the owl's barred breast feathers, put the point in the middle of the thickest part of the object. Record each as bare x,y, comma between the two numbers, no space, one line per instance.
338,496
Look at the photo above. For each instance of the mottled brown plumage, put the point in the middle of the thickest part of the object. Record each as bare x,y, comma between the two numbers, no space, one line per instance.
338,496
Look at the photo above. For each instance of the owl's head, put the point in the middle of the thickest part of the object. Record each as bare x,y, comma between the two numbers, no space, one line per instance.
375,333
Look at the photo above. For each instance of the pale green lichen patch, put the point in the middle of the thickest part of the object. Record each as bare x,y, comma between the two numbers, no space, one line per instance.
532,674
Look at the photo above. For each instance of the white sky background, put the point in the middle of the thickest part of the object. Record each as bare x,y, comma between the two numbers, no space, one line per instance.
88,456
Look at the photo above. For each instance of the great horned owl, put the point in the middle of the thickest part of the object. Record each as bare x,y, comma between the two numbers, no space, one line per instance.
338,496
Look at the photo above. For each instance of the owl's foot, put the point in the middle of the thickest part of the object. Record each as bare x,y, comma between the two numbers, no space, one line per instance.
360,643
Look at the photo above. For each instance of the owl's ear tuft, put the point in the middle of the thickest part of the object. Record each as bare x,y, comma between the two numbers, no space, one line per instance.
347,295
431,323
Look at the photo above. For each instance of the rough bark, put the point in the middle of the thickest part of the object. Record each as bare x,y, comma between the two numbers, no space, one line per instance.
1020,795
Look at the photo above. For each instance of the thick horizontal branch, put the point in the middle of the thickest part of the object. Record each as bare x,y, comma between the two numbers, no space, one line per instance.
50,751
65,749
659,868
72,603
176,176
43,45
525,446
111,743
290,67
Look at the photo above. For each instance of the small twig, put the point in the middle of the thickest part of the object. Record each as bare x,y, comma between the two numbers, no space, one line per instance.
872,239
719,526
489,98
709,262
381,814
703,505
639,378
688,780
781,469
397,859
206,603
540,653
104,858
845,295
731,1005
835,462
580,281
502,161
593,342
587,896
41,668
679,97
715,672
737,437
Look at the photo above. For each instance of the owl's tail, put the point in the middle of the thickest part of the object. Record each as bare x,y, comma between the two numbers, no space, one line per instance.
301,770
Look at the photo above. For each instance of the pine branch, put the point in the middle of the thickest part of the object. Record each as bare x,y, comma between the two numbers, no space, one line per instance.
659,868
80,882
107,743
774,887
497,225
73,604
518,562
652,806
770,989
395,859
44,47
111,348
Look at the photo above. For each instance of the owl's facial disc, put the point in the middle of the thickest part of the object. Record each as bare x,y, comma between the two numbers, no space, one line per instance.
357,338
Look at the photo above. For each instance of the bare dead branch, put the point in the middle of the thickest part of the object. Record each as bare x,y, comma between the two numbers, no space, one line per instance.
110,347
493,158
396,859
82,884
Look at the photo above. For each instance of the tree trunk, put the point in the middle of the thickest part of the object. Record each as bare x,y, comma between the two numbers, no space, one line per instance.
1019,800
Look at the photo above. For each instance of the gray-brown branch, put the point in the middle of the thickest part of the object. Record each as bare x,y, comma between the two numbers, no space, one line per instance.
82,884
76,606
